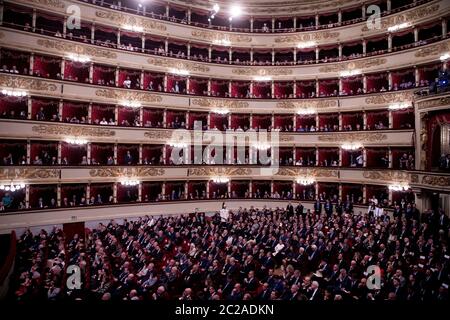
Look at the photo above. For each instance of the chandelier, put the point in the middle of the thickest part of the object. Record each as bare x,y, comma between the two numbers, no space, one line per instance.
306,181
12,187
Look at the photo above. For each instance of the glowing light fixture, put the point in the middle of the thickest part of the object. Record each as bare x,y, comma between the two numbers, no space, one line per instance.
235,11
177,144
12,187
351,146
306,181
444,57
222,42
398,27
262,78
77,141
261,146
221,111
306,111
399,106
14,93
133,28
129,182
402,186
349,73
220,179
181,72
78,58
131,104
216,8
306,44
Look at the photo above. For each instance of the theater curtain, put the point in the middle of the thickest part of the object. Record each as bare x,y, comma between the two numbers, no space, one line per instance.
283,89
263,121
103,33
8,104
197,86
352,119
329,155
46,66
305,88
12,58
403,76
283,121
156,80
129,115
106,74
150,190
38,148
327,87
402,118
433,140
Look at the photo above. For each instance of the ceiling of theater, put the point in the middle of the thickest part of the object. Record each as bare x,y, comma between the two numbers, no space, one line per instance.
274,7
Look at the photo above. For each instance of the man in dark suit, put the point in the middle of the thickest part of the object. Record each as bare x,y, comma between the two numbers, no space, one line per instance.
290,210
299,209
265,293
313,292
317,206
328,208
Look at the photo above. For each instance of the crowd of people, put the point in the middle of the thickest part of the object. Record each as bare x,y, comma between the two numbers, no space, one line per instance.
291,253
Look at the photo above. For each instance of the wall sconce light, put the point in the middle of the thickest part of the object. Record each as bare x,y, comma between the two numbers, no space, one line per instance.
262,78
261,146
129,182
306,111
306,181
78,58
133,28
349,73
12,187
398,27
220,179
14,93
403,186
400,106
221,111
77,141
306,44
177,144
131,104
351,146
180,72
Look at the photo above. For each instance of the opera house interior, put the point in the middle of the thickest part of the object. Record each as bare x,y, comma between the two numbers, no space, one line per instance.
224,150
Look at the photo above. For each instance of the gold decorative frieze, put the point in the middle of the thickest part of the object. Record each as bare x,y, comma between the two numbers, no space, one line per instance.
285,138
439,181
128,96
262,72
209,172
49,3
29,173
303,37
317,104
390,98
433,50
158,134
352,137
432,103
219,103
362,64
388,175
218,37
26,83
126,172
77,131
295,172
129,20
62,46
407,17
181,65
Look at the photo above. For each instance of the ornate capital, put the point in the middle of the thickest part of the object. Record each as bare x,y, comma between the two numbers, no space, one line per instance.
220,37
303,37
122,19
317,104
390,98
362,64
219,103
387,175
262,72
209,172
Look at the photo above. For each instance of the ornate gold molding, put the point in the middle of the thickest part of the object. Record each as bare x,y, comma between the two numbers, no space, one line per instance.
439,181
390,98
126,172
397,176
219,103
122,19
169,63
262,72
76,131
49,3
313,36
351,137
219,171
433,50
29,173
220,37
410,16
295,172
126,96
317,104
158,135
432,103
285,138
362,64
76,48
26,83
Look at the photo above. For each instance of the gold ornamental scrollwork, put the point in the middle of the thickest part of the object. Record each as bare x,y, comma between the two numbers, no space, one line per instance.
126,172
219,103
313,36
169,63
363,64
49,3
433,50
262,72
440,181
29,173
390,98
123,19
62,46
407,17
318,104
158,135
351,137
26,83
219,171
397,176
437,102
73,131
317,173
220,37
127,96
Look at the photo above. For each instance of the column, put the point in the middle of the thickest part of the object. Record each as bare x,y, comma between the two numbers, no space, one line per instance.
364,157
390,119
417,75
33,21
115,154
364,83
90,113
317,54
294,124
390,158
64,27
115,192
116,114
141,80
294,89
165,156
363,11
209,87
31,72
273,24
28,152
340,85
317,89
60,108
364,45
207,189
390,196
272,89
340,121
340,157
273,56
189,13
271,187
295,55
364,194
1,14
230,56
416,35
118,37
116,77
30,107
317,157
340,51
340,191
188,84
317,20
209,54
364,120
273,120
316,187
88,192
389,42
340,17
91,72
27,196
251,55
166,47
63,65
165,118
208,121
140,154
444,28
165,82
59,152
188,50
229,188
251,121
390,80
251,24
93,33
388,6
88,153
